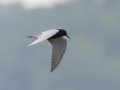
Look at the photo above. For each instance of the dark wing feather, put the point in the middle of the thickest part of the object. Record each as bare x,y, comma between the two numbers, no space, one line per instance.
58,49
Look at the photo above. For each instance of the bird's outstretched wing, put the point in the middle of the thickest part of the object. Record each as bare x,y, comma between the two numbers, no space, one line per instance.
44,36
59,46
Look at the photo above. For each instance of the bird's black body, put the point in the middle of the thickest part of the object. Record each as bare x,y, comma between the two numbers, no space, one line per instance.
59,34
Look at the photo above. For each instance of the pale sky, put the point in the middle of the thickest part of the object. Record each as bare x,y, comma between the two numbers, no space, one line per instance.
32,4
92,58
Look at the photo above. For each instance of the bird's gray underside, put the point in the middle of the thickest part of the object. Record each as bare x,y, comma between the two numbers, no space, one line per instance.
59,46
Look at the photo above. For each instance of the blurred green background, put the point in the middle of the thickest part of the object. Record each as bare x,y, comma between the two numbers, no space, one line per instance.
92,59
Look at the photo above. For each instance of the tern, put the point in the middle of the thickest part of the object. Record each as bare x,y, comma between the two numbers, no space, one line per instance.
59,44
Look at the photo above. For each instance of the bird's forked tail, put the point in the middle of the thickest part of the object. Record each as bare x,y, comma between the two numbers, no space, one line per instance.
34,37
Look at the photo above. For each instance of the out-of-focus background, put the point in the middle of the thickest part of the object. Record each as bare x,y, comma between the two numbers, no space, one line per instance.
92,59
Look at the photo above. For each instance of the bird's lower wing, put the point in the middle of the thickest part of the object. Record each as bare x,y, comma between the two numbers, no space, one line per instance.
59,46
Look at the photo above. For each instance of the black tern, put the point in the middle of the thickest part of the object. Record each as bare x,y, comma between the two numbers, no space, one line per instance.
59,44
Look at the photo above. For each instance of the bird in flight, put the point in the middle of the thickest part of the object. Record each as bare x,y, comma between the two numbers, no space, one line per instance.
59,44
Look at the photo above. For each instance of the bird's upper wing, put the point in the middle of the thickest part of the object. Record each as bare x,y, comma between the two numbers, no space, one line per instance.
44,36
58,49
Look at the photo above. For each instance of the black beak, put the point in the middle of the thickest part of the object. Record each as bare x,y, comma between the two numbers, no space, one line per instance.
68,36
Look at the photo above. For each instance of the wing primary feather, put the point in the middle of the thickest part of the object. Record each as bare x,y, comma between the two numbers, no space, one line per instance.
58,49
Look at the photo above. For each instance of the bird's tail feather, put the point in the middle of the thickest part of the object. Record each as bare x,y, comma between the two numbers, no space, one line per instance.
35,37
